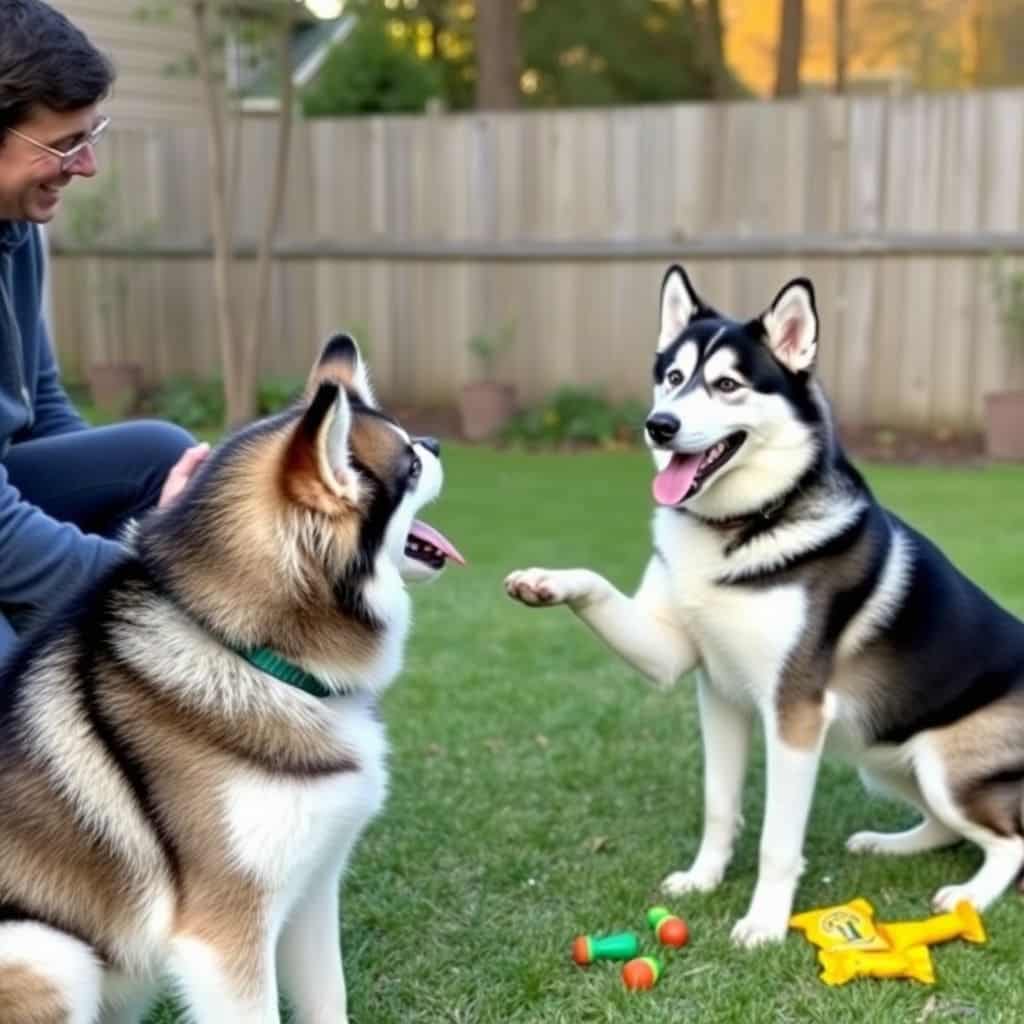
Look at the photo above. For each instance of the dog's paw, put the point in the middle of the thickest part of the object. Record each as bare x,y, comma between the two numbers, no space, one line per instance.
750,931
695,880
946,899
868,842
539,588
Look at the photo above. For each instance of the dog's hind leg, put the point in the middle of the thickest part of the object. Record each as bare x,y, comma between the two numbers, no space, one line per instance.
986,811
929,834
725,730
46,976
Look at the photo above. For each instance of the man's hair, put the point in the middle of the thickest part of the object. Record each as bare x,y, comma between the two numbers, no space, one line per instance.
45,61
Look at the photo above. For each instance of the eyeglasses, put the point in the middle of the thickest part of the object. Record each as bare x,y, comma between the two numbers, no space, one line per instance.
67,157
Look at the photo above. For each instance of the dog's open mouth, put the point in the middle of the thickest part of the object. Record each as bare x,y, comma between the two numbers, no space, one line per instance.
684,476
430,546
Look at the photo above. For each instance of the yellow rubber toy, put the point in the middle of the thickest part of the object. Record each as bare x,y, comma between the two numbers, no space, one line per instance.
849,925
843,965
963,922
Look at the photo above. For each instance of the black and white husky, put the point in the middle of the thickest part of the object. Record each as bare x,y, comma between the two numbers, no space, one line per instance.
800,598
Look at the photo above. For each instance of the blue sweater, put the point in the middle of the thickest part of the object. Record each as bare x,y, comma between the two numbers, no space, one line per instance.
41,559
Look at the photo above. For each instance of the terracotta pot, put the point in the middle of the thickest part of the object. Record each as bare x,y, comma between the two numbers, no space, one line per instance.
115,387
484,408
1004,425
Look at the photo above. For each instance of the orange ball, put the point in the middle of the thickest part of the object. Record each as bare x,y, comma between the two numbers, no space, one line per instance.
641,973
672,931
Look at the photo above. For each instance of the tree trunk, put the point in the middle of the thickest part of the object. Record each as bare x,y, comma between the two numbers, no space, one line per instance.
219,205
791,46
498,61
714,33
246,390
842,44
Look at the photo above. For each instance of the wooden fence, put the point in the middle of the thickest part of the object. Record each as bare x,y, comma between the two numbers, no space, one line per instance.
419,232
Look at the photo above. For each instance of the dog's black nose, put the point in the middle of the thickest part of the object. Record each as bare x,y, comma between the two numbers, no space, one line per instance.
430,443
662,427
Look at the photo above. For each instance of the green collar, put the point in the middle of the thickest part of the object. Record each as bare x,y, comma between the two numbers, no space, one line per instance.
274,665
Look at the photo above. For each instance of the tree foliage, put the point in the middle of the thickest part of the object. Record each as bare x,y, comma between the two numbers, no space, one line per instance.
372,73
573,52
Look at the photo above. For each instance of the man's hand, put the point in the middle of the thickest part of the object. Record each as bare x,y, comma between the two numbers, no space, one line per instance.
182,471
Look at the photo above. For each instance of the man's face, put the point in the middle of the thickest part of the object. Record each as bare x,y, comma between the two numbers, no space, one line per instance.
30,178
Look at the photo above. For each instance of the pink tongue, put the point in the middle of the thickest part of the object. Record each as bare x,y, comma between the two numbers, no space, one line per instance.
427,533
672,483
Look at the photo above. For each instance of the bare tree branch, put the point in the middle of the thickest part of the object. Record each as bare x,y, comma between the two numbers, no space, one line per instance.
217,185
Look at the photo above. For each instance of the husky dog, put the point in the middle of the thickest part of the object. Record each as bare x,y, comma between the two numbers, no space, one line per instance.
802,600
190,751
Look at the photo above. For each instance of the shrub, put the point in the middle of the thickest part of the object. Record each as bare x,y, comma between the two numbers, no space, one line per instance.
577,416
198,404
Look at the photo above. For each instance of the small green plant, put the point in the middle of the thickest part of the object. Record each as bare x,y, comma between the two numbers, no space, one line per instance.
277,393
487,348
93,218
198,404
577,417
190,402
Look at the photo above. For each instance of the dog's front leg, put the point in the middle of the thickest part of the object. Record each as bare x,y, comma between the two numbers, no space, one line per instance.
229,981
309,958
642,630
725,731
793,746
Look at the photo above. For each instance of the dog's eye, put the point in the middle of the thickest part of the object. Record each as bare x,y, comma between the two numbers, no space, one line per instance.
727,385
674,378
415,467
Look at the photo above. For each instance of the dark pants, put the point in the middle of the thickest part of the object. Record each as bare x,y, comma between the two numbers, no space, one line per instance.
97,479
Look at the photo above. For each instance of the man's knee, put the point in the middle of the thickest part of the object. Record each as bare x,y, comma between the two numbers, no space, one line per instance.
161,442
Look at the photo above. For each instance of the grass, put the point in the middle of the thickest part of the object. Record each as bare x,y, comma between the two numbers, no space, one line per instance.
540,789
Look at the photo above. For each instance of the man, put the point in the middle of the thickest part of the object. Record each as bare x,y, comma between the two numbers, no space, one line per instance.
66,490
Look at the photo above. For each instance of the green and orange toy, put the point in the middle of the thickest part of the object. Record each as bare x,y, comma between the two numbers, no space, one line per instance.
670,929
641,973
619,946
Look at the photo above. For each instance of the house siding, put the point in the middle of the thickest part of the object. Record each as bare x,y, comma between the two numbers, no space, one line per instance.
142,51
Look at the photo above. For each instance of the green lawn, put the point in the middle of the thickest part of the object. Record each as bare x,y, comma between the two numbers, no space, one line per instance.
541,789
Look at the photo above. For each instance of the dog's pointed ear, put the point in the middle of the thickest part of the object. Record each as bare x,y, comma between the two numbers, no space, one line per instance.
342,362
319,466
680,304
791,326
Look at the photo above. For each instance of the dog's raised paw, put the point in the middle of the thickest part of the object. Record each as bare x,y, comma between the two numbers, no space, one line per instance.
694,880
535,587
750,932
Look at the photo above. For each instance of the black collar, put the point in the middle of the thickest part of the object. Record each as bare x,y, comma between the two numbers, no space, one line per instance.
760,518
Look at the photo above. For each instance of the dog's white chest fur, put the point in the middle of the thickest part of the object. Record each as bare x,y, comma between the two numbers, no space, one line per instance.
744,634
283,830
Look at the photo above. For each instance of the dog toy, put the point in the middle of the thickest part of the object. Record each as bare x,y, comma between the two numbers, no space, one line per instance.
620,946
641,973
963,922
669,929
843,965
850,925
